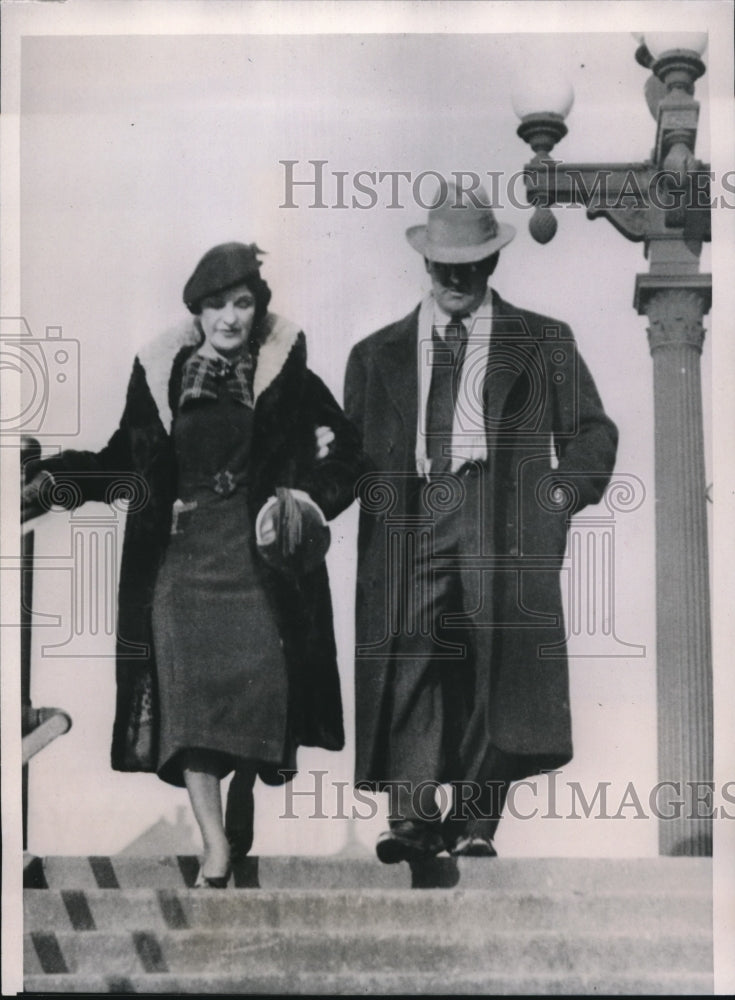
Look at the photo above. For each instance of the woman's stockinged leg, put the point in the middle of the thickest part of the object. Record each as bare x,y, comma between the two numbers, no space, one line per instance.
201,777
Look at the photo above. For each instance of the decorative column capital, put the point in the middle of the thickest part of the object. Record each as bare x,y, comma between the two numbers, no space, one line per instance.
676,320
675,306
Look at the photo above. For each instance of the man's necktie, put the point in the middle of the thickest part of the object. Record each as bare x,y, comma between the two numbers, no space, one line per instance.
445,375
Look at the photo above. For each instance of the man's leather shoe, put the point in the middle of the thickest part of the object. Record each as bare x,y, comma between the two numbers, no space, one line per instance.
473,845
408,841
452,830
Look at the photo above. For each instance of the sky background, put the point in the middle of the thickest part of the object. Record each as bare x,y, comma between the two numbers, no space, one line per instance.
138,152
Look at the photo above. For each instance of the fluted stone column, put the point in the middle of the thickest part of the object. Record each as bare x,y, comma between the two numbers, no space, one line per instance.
684,663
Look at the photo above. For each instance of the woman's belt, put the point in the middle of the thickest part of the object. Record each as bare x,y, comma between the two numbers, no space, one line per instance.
220,486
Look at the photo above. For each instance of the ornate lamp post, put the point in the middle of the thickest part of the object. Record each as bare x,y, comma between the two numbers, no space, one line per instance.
662,202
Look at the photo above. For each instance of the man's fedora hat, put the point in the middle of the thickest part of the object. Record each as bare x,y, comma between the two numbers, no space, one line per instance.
461,229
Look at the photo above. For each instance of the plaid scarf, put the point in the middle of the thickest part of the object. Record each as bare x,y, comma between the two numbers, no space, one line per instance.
203,376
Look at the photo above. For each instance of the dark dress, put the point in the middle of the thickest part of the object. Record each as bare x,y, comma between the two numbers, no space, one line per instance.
221,668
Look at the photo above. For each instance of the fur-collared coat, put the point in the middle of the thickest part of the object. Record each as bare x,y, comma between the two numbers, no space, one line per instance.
537,397
290,403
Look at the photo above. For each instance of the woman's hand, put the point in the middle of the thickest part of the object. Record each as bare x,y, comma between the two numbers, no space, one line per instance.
268,521
281,520
266,527
324,441
34,496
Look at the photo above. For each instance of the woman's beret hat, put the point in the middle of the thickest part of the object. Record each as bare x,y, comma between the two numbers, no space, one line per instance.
222,267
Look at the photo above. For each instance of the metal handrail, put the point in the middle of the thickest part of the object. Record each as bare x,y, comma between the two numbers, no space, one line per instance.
48,724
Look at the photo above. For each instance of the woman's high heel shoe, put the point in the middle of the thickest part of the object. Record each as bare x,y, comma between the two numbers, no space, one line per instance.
212,881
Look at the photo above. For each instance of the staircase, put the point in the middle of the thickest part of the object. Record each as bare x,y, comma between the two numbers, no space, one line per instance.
346,926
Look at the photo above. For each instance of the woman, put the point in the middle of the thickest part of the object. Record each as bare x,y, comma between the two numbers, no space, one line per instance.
225,661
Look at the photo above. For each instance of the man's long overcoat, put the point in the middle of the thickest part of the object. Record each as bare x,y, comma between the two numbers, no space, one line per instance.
545,428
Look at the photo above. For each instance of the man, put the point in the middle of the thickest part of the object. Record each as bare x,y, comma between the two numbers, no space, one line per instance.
486,432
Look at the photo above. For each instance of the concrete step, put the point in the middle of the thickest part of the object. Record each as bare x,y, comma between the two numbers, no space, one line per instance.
345,926
268,950
377,982
584,875
49,910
